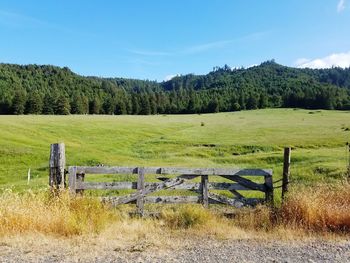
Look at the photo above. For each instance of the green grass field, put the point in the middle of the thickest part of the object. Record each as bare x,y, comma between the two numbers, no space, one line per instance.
247,139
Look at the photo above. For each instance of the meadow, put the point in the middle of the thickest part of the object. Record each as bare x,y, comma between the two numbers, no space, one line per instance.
247,139
317,206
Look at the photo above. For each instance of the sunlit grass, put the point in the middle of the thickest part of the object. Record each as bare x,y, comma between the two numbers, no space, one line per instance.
249,139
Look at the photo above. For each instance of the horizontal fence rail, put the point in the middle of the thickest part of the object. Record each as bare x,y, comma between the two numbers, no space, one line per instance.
145,190
184,186
173,170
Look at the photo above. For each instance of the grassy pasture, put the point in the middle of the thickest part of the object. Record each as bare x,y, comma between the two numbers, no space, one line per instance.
247,139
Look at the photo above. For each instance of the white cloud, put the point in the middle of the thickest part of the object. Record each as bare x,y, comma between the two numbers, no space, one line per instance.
201,47
169,77
334,60
17,19
149,52
341,6
222,43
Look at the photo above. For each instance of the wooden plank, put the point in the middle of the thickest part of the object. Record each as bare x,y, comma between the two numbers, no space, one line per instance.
224,200
133,185
106,186
106,170
246,183
173,170
172,199
57,164
286,171
140,188
238,203
72,179
237,194
152,187
227,186
114,200
204,191
215,171
253,201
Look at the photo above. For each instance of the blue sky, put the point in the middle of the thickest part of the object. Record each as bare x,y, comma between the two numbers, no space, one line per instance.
156,39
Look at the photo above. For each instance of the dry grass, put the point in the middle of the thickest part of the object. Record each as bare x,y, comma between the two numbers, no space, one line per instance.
308,212
63,216
320,208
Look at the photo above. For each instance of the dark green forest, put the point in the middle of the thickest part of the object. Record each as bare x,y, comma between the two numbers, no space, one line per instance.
35,89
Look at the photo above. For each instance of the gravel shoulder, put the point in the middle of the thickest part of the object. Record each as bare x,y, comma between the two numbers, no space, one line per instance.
245,250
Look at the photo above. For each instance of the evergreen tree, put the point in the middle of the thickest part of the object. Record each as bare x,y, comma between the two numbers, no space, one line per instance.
145,105
213,106
120,107
62,106
135,104
19,102
109,105
78,105
95,106
49,104
263,101
153,104
252,102
34,103
242,101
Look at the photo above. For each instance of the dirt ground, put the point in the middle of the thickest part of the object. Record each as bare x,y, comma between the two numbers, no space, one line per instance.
44,249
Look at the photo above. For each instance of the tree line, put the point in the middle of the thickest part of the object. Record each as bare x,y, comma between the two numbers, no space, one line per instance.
33,89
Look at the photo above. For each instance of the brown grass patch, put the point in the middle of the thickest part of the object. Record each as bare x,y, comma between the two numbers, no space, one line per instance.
62,216
306,212
318,208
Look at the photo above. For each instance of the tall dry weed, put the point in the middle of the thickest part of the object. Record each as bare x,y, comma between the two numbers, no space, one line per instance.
322,208
64,216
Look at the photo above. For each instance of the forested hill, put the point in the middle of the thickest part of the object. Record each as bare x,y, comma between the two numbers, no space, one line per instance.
33,89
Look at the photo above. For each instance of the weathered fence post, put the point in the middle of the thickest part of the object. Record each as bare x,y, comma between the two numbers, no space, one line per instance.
79,180
348,170
286,171
72,180
140,187
269,189
204,191
57,165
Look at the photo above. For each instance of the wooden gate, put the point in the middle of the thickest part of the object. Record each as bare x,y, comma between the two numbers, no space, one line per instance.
238,181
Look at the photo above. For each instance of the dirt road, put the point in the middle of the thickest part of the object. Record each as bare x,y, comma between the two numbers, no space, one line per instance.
195,251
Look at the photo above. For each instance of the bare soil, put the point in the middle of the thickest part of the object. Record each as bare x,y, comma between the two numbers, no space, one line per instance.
238,250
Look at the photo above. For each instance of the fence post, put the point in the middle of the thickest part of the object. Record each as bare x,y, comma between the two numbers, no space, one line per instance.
57,165
140,186
286,171
80,179
72,173
269,189
204,190
348,170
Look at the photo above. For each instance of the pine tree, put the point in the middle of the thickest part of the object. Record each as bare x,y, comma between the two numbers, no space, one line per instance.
77,106
62,106
135,104
145,105
95,106
153,104
120,107
34,103
19,102
49,104
109,105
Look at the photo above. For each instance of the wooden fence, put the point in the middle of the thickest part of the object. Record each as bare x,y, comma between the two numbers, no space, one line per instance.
183,175
236,181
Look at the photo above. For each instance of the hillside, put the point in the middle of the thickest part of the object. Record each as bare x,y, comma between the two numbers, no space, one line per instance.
33,89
